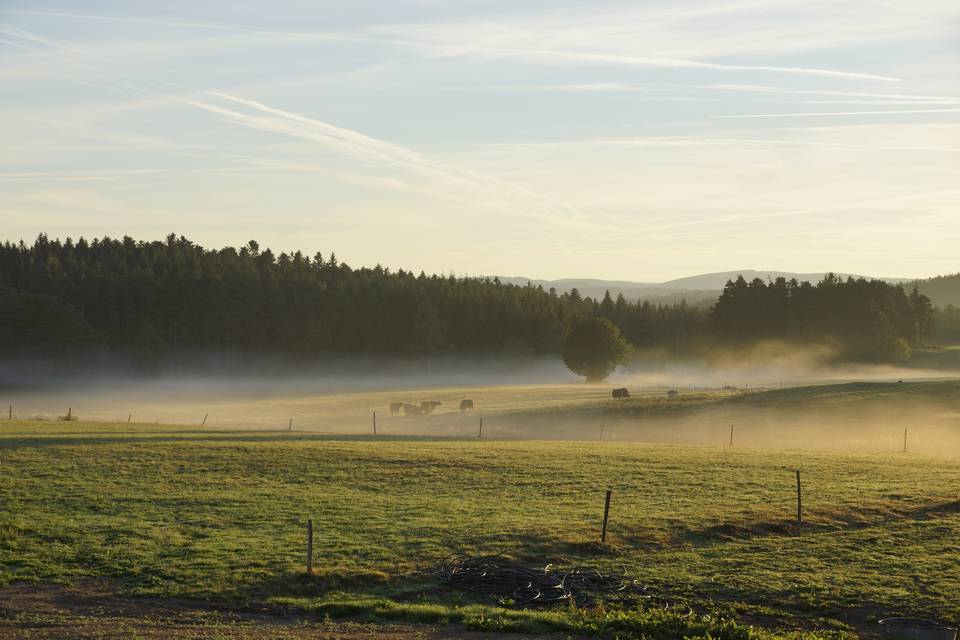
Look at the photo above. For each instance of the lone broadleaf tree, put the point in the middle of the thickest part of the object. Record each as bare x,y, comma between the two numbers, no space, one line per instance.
594,348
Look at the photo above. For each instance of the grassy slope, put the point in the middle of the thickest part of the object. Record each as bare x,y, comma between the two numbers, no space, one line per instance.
175,510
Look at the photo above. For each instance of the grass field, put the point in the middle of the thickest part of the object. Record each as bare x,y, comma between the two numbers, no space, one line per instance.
178,511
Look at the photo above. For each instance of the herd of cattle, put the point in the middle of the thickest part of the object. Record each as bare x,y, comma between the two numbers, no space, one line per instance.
429,406
425,407
622,393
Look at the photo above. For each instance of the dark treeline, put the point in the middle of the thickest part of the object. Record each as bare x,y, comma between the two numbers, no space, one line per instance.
866,319
944,291
151,298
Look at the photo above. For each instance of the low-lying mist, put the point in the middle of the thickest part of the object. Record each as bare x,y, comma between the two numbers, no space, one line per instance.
757,391
767,364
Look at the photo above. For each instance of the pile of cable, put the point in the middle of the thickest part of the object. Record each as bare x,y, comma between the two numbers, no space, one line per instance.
499,579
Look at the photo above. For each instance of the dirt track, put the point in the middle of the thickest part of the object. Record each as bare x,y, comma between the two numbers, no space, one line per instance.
90,609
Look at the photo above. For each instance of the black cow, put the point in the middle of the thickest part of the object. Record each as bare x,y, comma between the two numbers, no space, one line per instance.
621,393
429,405
412,410
466,404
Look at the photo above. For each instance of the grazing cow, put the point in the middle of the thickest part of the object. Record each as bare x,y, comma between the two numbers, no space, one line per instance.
412,410
621,393
466,404
395,408
673,393
429,405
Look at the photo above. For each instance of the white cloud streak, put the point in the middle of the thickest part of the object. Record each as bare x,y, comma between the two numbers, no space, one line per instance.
473,187
831,114
433,40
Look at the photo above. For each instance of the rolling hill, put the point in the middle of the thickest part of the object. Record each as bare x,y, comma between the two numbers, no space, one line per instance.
693,289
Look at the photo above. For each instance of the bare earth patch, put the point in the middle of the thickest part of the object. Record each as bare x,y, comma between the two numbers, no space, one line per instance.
91,609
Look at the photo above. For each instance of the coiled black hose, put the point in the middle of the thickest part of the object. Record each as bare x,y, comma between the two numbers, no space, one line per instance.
498,578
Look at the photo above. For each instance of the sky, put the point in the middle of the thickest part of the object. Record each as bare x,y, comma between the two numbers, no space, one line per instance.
623,140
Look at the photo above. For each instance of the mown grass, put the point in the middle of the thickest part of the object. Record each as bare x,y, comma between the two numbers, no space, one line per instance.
171,510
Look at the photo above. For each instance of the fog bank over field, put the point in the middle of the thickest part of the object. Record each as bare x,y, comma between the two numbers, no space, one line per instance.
531,398
767,364
224,373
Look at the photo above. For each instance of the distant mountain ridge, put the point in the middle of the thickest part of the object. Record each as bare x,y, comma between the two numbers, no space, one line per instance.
942,290
693,289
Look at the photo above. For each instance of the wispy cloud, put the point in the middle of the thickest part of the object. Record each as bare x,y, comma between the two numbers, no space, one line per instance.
592,57
839,206
823,114
713,141
76,176
467,185
461,40
696,91
533,179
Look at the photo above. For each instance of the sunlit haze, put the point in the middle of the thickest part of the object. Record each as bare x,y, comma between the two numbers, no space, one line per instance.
642,141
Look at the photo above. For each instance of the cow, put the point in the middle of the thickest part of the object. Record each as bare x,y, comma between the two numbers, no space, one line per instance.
466,404
673,393
395,408
412,410
427,406
621,393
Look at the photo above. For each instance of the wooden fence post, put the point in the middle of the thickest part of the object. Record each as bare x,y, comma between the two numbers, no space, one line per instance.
603,425
799,502
290,425
374,423
310,547
606,514
731,435
480,433
11,412
129,416
904,439
204,419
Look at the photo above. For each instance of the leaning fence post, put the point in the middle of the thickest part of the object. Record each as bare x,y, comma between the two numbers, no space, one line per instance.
309,547
129,416
204,419
799,502
290,425
606,514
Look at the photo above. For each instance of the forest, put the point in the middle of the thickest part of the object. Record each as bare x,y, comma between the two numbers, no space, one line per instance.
148,299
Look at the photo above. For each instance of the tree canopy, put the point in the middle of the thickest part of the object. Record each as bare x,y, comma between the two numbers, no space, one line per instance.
594,348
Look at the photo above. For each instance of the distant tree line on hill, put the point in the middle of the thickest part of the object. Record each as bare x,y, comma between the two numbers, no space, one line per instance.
152,298
869,320
944,291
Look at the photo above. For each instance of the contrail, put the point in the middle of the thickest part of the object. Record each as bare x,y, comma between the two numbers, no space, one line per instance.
756,88
458,50
647,61
476,188
837,113
369,149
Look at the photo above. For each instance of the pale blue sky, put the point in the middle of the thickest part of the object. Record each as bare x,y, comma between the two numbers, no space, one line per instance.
641,141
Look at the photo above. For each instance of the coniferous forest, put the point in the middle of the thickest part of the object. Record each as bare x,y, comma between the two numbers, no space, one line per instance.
154,298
